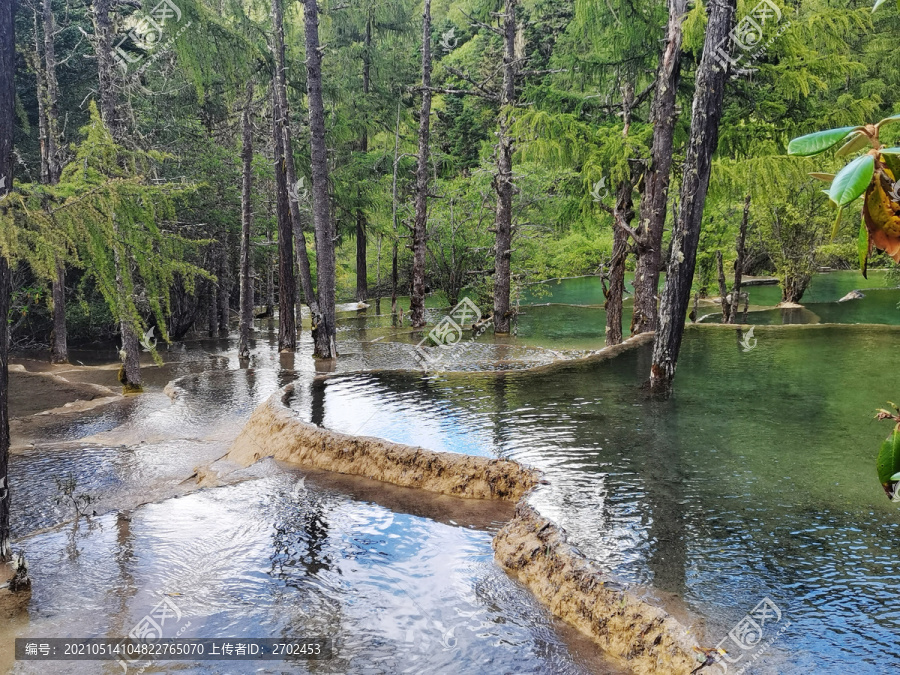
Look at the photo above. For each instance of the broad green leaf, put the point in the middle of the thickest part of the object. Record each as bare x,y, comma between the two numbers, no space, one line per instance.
888,462
813,144
890,151
857,142
824,177
852,180
878,3
862,245
889,120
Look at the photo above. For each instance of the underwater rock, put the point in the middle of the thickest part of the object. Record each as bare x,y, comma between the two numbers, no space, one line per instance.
853,295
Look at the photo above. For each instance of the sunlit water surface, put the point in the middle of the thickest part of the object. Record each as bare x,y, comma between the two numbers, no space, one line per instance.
755,480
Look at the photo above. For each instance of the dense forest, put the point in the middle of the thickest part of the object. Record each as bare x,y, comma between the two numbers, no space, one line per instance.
187,165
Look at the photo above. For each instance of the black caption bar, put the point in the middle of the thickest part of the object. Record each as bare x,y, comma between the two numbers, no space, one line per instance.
131,650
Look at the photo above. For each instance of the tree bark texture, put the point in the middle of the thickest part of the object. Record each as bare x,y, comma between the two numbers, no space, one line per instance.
324,329
709,95
417,295
663,115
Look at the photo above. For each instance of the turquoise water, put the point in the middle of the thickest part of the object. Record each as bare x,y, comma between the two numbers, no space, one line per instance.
755,480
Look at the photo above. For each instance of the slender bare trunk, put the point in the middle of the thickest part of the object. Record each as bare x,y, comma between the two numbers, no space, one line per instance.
59,349
739,262
130,353
212,308
40,77
246,321
503,181
663,115
324,329
707,111
394,216
7,108
283,123
362,272
106,67
417,296
623,214
287,330
54,135
224,275
723,289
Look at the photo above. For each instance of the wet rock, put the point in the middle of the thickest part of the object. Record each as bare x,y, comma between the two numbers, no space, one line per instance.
853,295
535,551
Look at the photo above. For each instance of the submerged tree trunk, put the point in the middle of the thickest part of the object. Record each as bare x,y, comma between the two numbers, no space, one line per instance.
739,262
224,275
287,285
324,329
362,272
5,551
394,217
246,300
622,214
707,111
663,115
723,289
283,123
130,352
212,309
287,330
503,181
59,350
7,108
793,287
417,296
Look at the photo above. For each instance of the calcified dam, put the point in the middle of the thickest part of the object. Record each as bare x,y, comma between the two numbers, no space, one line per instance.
640,636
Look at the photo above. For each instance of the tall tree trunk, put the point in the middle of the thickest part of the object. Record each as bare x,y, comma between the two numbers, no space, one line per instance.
287,286
130,353
246,321
707,111
417,297
5,155
663,116
48,115
7,108
287,330
739,262
224,275
723,289
40,78
362,272
54,135
106,67
283,121
623,214
503,181
59,349
394,216
212,310
324,329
